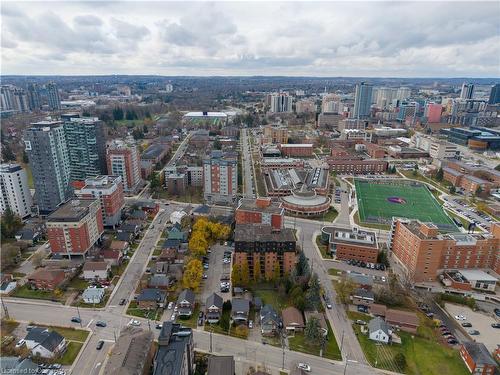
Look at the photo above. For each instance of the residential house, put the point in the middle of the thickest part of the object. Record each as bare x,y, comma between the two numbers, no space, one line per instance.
93,295
293,320
185,303
150,207
176,233
122,246
269,321
96,270
213,308
161,267
175,355
44,342
7,283
159,280
404,320
132,353
363,281
30,233
151,298
17,365
239,310
112,257
257,303
221,365
172,244
379,330
125,237
46,279
477,358
363,297
134,229
168,255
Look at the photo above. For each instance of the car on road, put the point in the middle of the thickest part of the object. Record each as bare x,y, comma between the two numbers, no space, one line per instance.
304,367
76,319
205,266
20,343
134,322
495,325
123,301
460,317
466,324
100,323
100,344
159,326
328,305
497,312
473,332
250,324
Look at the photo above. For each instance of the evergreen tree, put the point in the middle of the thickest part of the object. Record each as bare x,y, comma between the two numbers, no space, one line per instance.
439,174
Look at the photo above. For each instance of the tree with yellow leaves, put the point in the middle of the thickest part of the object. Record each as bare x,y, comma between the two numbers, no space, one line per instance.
193,273
198,244
257,273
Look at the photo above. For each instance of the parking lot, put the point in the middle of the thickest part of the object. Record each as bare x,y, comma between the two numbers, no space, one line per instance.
216,268
488,335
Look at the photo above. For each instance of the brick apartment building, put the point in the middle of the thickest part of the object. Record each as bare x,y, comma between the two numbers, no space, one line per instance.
123,160
275,135
423,252
470,177
347,243
257,243
220,174
352,164
477,358
75,227
296,149
260,211
109,191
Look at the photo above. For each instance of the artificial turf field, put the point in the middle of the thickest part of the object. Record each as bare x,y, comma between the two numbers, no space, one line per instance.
412,201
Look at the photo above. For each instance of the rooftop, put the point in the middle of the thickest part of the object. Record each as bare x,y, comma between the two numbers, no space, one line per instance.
262,233
352,236
479,353
292,145
205,114
73,210
221,365
260,205
101,182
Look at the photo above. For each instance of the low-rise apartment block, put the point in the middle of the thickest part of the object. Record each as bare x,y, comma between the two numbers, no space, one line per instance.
260,211
296,149
351,243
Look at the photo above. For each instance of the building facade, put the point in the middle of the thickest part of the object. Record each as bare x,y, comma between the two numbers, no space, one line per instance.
220,174
260,211
281,103
362,100
53,97
424,253
264,251
300,149
351,243
48,156
109,191
123,160
86,142
75,227
14,190
275,134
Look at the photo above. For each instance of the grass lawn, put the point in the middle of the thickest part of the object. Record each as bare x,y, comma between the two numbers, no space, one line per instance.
70,334
193,319
118,270
70,354
383,200
322,248
273,298
465,223
370,225
8,326
330,215
25,292
423,356
157,251
334,272
355,315
78,284
143,313
300,344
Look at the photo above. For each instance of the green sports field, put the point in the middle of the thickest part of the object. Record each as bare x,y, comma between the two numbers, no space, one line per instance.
379,201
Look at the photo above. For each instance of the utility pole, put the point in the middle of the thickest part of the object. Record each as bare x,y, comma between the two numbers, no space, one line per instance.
4,306
345,367
79,317
341,342
283,348
211,331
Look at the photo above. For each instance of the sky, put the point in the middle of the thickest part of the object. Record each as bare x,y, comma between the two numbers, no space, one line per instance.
375,39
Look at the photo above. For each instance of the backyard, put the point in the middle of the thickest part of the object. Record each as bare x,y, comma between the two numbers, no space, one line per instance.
134,310
26,292
331,350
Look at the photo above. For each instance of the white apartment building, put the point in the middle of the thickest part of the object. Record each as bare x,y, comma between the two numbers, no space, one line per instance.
281,103
220,174
437,149
15,193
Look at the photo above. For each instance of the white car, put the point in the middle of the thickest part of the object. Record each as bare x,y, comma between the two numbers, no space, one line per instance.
250,324
460,317
170,306
304,366
172,318
134,322
20,343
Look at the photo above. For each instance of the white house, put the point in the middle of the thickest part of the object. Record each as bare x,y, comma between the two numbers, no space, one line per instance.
44,342
93,295
379,331
96,270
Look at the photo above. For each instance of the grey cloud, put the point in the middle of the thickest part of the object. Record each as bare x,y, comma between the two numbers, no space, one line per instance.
87,20
10,10
126,30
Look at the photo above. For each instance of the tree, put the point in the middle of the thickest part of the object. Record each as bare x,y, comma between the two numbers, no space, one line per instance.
217,145
8,254
400,361
198,245
439,174
313,298
36,259
10,224
154,181
313,332
302,266
241,331
7,153
497,168
297,297
236,275
192,274
257,273
382,258
137,134
118,114
276,272
415,170
452,189
25,157
344,289
145,129
245,274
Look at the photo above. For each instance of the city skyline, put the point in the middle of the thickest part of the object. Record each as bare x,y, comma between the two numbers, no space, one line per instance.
358,39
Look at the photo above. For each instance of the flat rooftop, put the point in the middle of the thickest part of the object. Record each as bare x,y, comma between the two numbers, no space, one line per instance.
73,210
262,233
292,145
351,236
248,204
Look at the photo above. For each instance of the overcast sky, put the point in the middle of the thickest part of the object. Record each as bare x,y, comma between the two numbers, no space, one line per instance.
380,39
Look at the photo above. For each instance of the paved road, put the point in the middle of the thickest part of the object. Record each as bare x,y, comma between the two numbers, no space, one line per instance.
180,151
338,319
343,218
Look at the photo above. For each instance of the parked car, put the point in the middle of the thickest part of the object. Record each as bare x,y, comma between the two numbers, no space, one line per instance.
452,341
134,322
360,322
495,325
123,301
497,312
473,332
100,344
460,317
76,319
466,324
159,326
20,343
100,323
304,367
250,324
362,309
